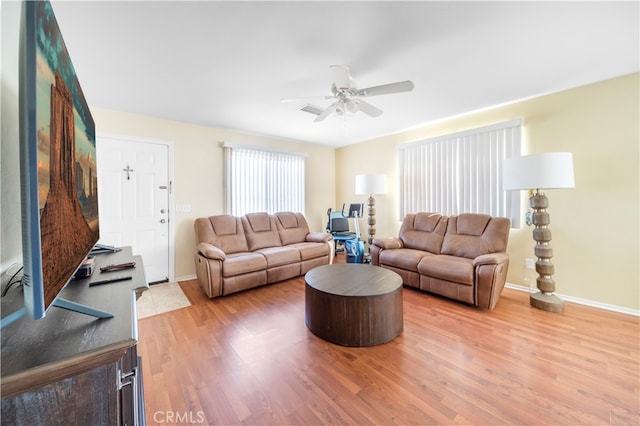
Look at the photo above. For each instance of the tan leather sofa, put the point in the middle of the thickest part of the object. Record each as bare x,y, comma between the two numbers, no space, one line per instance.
460,257
239,253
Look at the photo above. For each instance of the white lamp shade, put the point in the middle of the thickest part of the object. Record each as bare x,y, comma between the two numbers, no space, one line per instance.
550,170
371,184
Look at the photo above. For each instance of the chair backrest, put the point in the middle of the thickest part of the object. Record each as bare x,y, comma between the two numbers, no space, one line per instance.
292,227
471,235
260,230
423,231
339,224
223,231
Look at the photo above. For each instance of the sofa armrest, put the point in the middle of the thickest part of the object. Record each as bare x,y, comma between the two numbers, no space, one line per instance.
209,273
318,237
388,243
490,278
490,259
211,252
380,244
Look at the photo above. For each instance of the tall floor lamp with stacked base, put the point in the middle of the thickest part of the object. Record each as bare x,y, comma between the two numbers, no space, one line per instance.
551,170
371,185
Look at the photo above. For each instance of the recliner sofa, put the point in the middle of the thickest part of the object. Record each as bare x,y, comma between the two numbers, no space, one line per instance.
239,253
461,257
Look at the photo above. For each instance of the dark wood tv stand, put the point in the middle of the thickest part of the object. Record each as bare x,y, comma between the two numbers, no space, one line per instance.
71,368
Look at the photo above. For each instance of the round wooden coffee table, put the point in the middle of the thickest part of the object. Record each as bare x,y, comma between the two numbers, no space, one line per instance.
353,304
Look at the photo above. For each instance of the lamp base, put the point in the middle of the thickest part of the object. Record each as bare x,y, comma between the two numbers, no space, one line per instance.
546,302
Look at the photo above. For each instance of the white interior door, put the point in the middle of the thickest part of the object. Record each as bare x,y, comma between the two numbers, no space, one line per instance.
133,198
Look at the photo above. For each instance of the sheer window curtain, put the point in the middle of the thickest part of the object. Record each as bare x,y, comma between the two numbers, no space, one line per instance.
460,173
263,181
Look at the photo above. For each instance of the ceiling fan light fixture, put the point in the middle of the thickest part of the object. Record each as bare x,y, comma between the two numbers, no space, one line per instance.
352,106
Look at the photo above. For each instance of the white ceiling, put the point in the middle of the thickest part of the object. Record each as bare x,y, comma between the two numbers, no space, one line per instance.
228,64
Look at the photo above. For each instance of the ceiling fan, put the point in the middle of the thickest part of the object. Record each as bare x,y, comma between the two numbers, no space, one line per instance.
348,98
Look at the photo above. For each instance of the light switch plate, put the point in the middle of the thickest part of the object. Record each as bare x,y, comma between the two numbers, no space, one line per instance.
183,208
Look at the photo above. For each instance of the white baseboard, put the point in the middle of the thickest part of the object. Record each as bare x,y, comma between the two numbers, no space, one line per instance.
586,302
187,278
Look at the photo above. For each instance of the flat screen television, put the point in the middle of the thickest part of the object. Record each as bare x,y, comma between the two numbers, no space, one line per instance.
58,174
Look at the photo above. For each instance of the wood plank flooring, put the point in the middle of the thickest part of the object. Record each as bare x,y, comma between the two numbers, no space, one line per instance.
249,359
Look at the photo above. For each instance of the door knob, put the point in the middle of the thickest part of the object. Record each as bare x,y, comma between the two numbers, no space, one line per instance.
163,221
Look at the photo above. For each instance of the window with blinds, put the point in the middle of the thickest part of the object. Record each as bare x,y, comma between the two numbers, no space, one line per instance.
263,181
460,173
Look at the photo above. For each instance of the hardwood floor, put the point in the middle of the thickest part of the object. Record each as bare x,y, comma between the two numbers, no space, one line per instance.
249,359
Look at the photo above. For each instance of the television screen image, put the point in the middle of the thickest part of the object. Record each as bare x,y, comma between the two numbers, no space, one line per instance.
58,163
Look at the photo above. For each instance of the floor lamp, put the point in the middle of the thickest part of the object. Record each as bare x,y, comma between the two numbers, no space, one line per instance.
551,170
371,185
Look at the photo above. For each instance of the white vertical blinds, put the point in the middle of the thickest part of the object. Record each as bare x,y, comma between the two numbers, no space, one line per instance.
460,173
263,181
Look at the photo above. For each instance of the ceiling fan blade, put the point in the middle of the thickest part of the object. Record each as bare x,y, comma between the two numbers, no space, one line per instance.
312,109
306,98
368,109
341,76
327,112
386,89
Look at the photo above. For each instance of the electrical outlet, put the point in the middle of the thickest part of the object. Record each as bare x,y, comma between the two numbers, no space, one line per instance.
529,264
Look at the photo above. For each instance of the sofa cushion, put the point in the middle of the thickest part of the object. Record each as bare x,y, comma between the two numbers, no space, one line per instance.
223,231
471,224
260,231
449,268
403,258
278,256
292,227
243,263
423,231
471,235
311,250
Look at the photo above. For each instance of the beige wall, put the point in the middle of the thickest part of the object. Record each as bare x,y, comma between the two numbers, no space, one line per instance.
10,230
198,171
595,227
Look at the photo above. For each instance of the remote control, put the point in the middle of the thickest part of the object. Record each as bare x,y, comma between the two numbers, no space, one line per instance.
117,266
110,280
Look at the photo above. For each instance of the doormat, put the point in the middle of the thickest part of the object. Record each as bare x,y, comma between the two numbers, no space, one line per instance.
161,298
